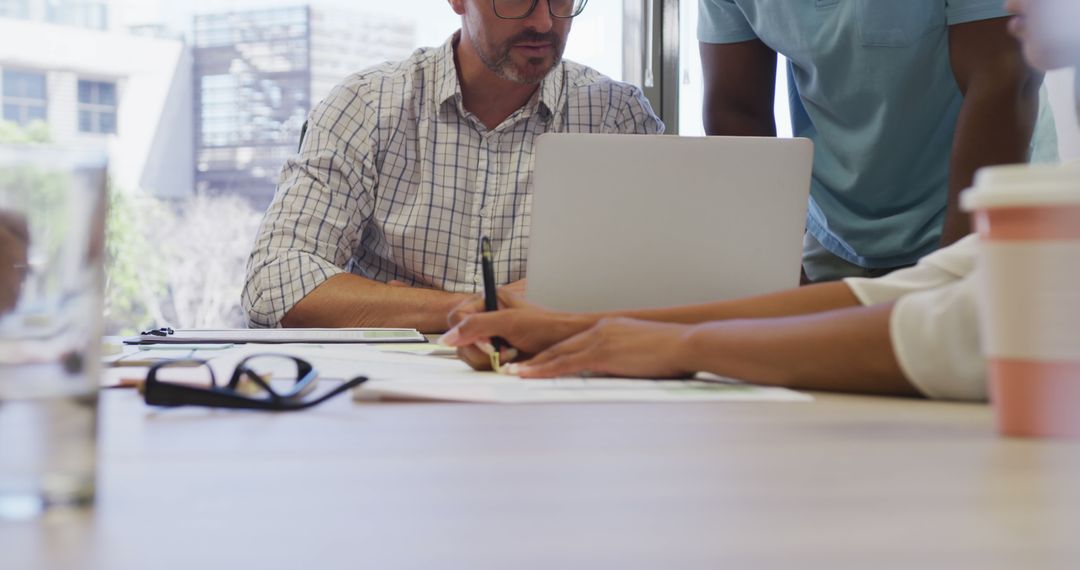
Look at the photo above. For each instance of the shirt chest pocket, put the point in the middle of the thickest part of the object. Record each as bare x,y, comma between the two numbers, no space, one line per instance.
897,23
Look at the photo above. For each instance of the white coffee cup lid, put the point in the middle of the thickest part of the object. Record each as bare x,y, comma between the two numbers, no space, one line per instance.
1023,186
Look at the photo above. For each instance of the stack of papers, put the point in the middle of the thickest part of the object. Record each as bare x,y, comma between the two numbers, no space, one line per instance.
491,388
454,381
430,373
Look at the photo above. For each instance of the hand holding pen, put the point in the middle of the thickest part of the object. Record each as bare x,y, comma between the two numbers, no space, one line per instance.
491,303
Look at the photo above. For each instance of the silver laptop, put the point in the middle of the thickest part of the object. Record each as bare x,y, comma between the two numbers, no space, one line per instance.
637,221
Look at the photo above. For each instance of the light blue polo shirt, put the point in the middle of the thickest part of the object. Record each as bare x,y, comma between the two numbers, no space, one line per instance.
878,98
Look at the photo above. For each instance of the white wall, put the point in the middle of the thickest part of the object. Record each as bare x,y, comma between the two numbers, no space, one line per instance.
152,150
168,162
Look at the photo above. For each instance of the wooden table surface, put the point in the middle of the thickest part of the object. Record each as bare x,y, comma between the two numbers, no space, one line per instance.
844,482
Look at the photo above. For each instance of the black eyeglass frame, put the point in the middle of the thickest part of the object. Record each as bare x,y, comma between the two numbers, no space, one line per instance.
169,394
495,8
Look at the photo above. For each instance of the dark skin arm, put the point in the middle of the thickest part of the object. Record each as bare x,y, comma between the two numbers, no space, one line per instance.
847,350
1001,102
532,330
813,338
740,86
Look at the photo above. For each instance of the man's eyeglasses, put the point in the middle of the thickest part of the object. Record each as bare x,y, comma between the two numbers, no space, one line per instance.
521,9
260,382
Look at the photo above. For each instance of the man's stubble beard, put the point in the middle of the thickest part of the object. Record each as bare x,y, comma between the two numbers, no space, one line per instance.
503,65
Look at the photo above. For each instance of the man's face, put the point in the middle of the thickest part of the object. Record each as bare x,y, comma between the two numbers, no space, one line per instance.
1049,30
523,51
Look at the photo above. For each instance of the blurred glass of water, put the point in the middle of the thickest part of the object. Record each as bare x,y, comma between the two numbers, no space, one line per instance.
52,216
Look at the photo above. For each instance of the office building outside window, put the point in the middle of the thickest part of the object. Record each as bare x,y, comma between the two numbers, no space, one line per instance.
15,9
258,73
200,127
24,96
97,107
90,14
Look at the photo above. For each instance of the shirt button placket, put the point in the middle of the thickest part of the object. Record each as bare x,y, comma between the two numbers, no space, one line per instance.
479,213
483,207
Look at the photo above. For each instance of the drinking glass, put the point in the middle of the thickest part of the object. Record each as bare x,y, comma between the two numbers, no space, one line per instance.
52,217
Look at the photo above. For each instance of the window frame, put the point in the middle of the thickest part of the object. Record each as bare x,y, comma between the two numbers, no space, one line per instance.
22,102
651,55
95,108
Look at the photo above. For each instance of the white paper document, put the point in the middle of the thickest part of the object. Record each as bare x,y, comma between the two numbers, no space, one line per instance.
445,380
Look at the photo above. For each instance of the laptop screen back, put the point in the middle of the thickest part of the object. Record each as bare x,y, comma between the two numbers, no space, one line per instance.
637,221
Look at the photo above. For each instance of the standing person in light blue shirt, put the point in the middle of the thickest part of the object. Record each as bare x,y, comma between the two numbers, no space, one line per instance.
904,100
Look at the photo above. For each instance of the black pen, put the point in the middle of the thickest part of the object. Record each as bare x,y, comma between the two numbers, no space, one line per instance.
491,298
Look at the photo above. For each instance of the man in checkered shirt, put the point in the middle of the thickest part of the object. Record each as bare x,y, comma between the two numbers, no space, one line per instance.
377,221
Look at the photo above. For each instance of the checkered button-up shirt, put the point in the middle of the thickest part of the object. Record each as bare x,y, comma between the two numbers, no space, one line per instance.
395,180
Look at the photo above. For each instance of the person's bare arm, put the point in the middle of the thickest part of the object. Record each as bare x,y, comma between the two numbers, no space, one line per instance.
347,300
315,226
531,329
847,350
740,86
1001,102
800,301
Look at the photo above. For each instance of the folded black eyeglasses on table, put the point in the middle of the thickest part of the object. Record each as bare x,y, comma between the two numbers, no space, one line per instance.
251,386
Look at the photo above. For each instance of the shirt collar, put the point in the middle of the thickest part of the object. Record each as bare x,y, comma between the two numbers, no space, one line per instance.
448,85
551,88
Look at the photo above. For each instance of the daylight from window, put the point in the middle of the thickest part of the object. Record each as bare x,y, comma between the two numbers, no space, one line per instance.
197,105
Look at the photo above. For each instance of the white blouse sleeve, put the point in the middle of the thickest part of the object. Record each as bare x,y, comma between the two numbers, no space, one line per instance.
934,326
935,335
940,268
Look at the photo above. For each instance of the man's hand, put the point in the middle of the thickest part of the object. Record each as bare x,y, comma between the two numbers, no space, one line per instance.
517,288
508,298
527,328
616,347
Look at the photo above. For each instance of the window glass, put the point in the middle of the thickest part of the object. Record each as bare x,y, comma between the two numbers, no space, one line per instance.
107,122
12,113
219,91
86,121
91,14
35,113
14,8
24,96
24,84
691,88
107,93
86,92
97,107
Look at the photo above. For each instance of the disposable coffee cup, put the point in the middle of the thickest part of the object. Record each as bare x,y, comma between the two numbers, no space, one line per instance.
1028,221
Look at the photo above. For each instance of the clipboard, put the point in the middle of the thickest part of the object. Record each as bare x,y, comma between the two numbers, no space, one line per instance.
167,335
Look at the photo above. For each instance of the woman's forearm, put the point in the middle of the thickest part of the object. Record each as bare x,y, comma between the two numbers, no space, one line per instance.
790,302
845,350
